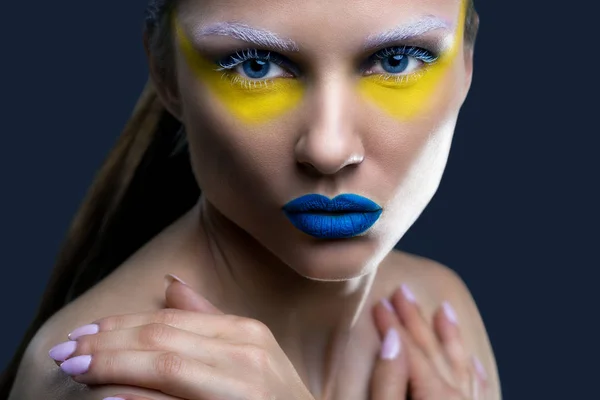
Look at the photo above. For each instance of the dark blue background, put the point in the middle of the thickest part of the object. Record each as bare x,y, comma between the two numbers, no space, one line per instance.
514,214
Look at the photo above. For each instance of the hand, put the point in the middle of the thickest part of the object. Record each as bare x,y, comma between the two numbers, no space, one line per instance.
191,355
421,363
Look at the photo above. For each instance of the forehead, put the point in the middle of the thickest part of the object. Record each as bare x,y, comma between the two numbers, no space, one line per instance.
318,21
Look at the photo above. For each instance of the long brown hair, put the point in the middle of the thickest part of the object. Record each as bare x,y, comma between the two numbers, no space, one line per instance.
144,185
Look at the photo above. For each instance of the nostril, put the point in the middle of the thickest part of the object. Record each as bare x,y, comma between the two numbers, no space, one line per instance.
313,171
308,169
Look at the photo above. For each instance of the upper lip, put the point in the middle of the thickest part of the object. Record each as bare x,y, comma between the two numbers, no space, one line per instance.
344,203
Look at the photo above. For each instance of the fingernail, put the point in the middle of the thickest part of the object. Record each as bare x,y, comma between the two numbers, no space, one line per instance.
84,330
391,345
386,303
408,294
113,398
450,313
76,365
479,368
169,278
62,351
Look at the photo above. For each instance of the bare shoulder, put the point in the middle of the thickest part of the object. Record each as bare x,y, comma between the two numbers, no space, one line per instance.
434,283
40,377
136,286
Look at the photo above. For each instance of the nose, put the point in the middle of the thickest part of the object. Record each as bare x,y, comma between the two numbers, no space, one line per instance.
330,142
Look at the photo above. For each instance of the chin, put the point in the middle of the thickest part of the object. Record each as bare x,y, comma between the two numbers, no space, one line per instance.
334,260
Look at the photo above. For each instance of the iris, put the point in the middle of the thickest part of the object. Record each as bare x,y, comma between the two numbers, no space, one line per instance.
256,68
395,64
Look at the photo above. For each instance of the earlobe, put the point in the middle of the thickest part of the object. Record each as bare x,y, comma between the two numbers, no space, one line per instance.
165,88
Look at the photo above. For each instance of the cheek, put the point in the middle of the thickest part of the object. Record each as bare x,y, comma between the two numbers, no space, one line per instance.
248,101
229,158
405,98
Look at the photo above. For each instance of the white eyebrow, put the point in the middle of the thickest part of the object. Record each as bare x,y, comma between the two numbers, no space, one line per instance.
406,31
259,37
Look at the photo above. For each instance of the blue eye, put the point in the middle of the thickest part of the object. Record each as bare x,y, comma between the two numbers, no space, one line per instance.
395,64
256,68
401,60
256,64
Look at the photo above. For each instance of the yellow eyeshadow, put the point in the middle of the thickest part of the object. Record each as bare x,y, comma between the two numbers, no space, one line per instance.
252,101
407,97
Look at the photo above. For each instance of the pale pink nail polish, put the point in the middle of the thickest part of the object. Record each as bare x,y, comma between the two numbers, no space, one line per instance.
113,398
170,278
391,345
450,313
77,365
386,303
408,294
84,330
62,351
479,368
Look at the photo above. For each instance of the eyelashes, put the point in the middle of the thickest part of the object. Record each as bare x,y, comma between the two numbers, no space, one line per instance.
410,51
240,57
254,68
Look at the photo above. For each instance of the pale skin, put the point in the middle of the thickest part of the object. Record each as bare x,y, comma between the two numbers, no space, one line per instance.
320,300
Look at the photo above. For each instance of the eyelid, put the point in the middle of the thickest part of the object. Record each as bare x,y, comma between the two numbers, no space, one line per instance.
420,53
425,56
240,56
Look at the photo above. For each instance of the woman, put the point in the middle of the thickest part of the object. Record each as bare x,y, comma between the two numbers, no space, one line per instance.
318,132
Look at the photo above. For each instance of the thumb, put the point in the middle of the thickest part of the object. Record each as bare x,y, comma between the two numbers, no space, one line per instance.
180,296
389,380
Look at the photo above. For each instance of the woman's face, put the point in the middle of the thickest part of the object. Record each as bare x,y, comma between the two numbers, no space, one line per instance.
285,98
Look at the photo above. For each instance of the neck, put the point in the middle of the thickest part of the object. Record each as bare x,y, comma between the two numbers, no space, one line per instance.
311,320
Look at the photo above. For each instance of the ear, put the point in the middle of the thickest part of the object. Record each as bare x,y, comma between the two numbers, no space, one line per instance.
469,49
468,59
165,87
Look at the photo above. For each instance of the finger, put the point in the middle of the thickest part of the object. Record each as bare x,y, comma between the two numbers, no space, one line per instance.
127,397
480,386
228,327
390,374
447,331
420,330
170,373
153,337
424,380
181,296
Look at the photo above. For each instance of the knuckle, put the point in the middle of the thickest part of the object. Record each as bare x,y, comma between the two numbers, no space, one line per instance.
105,365
112,323
254,330
88,344
256,391
168,316
168,364
154,335
256,357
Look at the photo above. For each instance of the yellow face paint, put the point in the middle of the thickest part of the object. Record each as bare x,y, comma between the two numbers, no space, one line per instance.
251,100
405,96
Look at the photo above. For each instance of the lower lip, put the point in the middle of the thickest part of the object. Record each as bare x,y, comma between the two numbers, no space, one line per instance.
334,226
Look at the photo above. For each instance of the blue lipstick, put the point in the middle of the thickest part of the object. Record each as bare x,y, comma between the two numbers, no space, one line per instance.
344,216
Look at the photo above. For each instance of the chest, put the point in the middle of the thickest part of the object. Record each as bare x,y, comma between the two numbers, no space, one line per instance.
353,368
353,379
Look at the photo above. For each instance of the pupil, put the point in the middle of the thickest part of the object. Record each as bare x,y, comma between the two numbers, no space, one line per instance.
257,65
256,68
395,64
396,61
